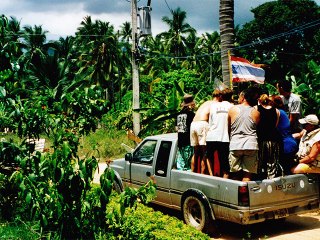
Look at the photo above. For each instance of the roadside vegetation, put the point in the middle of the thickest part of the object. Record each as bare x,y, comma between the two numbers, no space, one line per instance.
102,214
76,93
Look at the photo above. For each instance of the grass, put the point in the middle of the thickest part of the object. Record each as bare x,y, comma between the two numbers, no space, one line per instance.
18,231
104,144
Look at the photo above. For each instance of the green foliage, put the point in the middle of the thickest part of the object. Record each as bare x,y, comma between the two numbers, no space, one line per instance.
19,230
67,88
102,143
55,189
308,87
167,91
8,197
179,29
290,29
160,101
142,222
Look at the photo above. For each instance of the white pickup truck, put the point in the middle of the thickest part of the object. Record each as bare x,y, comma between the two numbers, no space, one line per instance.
203,198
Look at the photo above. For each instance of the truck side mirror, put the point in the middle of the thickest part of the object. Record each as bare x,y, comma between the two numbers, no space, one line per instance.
128,157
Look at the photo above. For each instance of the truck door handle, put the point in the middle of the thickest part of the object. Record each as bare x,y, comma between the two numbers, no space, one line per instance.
148,174
256,188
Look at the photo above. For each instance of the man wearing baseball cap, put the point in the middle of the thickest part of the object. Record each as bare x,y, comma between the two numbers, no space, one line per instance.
308,156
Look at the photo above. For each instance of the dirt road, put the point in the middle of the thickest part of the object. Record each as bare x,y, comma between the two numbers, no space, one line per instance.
301,227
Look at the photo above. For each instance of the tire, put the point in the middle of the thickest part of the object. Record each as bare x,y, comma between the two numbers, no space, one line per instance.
116,187
195,214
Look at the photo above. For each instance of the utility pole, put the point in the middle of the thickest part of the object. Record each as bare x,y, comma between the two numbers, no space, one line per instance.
135,72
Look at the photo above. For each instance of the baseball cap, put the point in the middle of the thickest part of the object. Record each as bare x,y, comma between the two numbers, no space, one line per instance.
311,119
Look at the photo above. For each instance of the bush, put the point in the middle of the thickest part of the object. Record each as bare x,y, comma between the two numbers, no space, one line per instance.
18,231
143,222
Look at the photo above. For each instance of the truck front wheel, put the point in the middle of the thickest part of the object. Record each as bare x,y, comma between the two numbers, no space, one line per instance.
195,214
116,187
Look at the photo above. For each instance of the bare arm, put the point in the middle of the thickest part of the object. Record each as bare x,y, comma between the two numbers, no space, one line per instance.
293,117
298,135
232,115
255,115
315,150
229,124
278,117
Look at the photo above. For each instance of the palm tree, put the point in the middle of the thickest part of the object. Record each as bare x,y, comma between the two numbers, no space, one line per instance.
210,63
191,62
175,38
64,46
99,54
10,32
226,21
126,31
155,63
34,42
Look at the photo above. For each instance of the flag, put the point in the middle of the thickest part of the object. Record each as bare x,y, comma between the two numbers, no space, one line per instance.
244,71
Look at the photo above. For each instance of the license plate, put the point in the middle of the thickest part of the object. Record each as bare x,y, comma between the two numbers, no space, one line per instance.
281,213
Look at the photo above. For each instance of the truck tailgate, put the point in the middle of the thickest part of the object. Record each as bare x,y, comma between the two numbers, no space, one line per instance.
283,191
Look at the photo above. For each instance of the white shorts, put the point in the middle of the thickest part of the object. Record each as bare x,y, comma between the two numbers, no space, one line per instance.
198,133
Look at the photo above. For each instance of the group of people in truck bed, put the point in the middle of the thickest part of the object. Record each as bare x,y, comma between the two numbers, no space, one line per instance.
260,137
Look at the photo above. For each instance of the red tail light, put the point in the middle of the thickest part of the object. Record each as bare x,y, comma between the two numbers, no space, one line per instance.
243,196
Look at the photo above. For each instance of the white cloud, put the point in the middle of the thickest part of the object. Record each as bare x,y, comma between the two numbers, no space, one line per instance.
63,17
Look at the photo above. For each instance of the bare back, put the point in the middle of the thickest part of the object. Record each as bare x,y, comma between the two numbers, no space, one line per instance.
203,111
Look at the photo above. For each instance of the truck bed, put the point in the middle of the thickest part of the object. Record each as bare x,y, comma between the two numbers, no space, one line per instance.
268,199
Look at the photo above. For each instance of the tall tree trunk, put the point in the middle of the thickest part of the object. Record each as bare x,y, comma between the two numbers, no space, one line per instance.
226,21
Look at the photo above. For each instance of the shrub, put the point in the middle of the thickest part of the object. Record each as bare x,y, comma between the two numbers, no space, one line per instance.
19,230
142,222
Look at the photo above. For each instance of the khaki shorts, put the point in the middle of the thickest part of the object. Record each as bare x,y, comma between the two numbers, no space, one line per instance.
246,160
198,133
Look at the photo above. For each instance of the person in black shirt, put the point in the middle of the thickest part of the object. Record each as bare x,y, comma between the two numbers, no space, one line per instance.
269,138
183,122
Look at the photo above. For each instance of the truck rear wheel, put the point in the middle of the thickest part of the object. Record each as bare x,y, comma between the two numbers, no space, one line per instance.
195,214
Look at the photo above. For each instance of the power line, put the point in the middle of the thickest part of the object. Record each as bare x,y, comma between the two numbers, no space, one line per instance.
170,9
284,34
295,30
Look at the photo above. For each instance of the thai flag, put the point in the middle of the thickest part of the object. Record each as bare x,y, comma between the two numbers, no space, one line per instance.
244,71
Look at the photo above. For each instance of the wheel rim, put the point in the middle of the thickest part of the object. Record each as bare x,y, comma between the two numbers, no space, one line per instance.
193,212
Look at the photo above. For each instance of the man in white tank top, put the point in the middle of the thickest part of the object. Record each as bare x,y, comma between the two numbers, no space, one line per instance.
218,136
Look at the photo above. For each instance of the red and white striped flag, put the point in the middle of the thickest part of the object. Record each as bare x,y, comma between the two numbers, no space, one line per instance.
245,71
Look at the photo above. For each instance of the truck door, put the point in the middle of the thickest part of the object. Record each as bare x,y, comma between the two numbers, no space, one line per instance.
141,168
161,173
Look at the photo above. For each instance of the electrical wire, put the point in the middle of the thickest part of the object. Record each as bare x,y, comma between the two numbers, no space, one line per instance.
132,0
295,30
170,9
284,34
260,41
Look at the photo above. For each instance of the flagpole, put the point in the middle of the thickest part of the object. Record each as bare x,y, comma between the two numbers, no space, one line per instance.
230,69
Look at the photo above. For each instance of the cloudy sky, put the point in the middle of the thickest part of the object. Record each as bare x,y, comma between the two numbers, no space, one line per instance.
63,17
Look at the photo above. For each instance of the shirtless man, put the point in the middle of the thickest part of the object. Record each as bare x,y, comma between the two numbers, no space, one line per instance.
198,133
